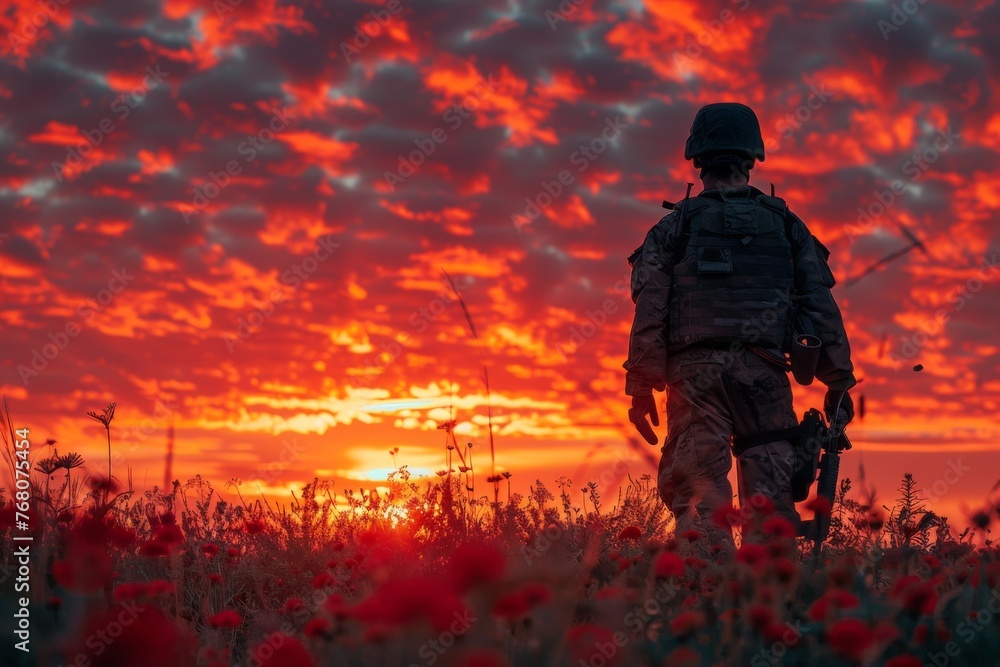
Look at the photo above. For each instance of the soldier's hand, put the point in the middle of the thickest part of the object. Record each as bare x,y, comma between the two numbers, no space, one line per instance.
846,405
642,406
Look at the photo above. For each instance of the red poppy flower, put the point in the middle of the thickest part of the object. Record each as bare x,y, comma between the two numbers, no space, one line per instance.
255,526
130,591
850,637
169,534
668,564
730,615
400,601
902,584
481,658
536,593
683,656
630,533
280,650
761,504
520,602
727,516
687,623
920,598
778,547
692,535
226,618
322,580
88,565
615,593
785,569
751,553
993,573
154,548
885,631
7,516
779,526
334,606
776,632
920,633
293,605
832,599
210,550
215,578
841,576
820,505
695,563
760,615
86,570
317,627
511,606
584,640
121,536
147,638
160,587
473,564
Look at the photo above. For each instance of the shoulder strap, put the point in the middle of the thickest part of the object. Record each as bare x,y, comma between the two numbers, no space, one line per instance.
778,205
685,226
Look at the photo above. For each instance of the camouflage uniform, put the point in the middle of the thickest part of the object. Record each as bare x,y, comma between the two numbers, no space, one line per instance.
711,355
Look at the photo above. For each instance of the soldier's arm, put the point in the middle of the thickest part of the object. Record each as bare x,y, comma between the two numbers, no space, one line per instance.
646,367
813,281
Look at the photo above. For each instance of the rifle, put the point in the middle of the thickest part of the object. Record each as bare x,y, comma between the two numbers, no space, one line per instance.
833,440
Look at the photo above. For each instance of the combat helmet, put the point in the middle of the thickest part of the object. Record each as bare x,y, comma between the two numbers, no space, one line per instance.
725,133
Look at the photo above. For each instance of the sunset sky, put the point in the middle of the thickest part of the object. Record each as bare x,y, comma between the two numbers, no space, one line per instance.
235,217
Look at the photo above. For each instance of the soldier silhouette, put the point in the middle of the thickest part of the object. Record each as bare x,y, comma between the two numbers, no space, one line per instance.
721,286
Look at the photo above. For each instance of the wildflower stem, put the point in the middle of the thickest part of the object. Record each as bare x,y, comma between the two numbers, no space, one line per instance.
107,489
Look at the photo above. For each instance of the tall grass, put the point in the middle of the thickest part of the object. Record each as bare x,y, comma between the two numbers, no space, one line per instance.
429,572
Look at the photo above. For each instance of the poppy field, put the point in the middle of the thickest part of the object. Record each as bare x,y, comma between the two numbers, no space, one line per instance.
427,572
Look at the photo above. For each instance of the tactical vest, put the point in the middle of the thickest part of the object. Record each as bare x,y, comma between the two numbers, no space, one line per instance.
734,276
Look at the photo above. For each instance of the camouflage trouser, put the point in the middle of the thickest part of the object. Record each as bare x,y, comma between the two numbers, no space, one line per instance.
714,394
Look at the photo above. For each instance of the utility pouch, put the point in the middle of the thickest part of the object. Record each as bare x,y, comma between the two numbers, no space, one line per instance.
804,346
804,357
806,440
715,261
807,453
